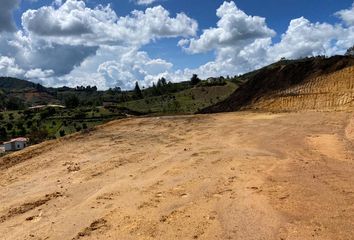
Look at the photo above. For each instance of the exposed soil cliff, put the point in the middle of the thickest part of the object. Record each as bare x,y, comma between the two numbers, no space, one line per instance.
309,84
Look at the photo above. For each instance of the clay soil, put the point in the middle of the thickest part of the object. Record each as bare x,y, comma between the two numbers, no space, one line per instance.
223,176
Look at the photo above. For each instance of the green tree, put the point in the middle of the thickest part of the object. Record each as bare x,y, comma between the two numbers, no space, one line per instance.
137,91
195,80
9,126
72,101
3,134
29,123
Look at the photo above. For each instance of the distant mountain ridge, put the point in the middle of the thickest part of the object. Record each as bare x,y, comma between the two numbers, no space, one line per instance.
306,84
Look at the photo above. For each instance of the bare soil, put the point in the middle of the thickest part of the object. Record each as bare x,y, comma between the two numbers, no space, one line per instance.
224,176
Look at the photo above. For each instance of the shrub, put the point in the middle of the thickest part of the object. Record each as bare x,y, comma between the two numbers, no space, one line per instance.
62,133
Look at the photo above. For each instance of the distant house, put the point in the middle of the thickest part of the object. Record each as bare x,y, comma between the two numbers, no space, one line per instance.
15,144
38,108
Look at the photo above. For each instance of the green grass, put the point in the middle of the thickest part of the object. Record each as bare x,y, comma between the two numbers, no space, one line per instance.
185,102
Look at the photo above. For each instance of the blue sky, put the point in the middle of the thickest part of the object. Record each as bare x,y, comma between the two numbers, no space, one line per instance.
250,33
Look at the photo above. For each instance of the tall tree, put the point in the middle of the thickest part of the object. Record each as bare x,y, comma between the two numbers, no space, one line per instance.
137,91
195,80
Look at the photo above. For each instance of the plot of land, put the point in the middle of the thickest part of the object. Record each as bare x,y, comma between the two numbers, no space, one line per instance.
224,176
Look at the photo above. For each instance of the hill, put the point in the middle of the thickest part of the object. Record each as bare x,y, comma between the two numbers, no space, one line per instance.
17,94
12,84
306,84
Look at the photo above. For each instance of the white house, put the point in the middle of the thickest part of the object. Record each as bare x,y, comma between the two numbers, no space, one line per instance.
15,144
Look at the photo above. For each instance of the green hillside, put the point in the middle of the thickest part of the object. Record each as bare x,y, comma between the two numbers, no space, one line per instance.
187,101
13,84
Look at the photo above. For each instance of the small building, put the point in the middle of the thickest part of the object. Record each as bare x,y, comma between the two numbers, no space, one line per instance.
15,144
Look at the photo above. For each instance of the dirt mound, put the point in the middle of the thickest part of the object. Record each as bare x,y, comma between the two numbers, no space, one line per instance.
314,83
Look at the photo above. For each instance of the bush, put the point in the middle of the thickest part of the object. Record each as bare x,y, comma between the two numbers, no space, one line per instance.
78,128
62,133
38,135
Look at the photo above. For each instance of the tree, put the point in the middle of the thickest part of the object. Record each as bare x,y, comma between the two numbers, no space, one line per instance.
195,80
350,51
9,126
3,134
137,91
72,101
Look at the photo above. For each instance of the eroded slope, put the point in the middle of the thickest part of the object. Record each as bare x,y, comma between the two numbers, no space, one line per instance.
308,84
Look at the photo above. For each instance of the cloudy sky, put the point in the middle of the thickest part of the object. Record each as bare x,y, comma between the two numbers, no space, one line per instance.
115,43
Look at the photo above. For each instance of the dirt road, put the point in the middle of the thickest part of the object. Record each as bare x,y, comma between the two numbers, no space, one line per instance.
225,176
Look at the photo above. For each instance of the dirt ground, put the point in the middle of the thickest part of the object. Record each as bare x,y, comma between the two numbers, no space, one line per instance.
224,176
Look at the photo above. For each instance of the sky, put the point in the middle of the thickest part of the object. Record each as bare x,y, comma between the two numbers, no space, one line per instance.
116,43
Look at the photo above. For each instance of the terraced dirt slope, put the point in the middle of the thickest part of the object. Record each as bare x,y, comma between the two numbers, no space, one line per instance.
224,176
329,92
308,84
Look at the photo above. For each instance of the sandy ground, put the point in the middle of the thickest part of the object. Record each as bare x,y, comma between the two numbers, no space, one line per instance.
225,176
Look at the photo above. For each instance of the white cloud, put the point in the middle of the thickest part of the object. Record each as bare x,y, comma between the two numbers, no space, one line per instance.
38,73
68,43
235,28
304,38
347,15
243,43
8,67
74,23
72,44
117,66
145,2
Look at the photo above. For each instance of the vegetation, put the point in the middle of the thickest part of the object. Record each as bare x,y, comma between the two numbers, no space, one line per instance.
350,51
86,107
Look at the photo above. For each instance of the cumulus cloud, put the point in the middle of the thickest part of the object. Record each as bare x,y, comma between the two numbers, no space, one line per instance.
105,70
235,28
72,44
243,43
8,67
69,43
304,38
347,15
6,20
38,73
32,53
74,23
